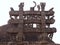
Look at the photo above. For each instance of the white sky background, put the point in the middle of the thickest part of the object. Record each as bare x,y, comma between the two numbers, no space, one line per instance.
6,4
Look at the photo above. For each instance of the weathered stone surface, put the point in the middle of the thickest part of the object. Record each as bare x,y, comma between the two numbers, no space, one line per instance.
29,27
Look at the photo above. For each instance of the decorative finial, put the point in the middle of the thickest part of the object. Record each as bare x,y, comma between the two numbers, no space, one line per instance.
34,3
51,9
38,6
21,6
32,8
42,6
12,9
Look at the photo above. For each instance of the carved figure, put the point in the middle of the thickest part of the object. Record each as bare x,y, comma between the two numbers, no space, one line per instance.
30,28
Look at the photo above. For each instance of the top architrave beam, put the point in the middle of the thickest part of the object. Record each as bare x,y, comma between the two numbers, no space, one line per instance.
16,13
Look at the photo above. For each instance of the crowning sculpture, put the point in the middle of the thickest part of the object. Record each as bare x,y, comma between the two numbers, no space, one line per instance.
20,29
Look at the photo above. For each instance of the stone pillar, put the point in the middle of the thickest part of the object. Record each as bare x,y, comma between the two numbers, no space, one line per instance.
43,23
20,35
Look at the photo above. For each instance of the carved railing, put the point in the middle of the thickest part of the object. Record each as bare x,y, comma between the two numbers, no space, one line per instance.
48,21
48,30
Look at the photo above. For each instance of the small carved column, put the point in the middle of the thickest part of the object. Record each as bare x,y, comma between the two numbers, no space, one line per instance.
43,23
20,35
